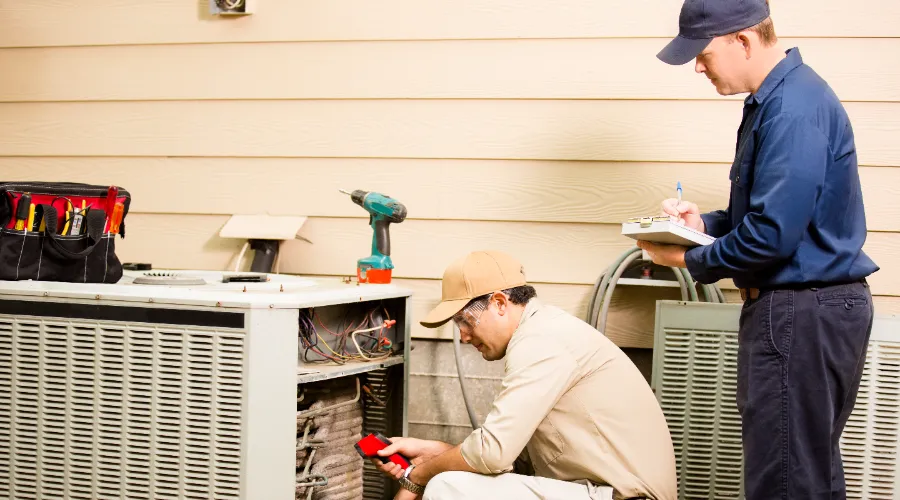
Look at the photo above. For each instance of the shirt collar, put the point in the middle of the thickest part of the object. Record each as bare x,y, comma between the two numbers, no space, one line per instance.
776,76
530,308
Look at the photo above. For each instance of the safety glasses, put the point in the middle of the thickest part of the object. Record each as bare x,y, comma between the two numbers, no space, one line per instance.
473,311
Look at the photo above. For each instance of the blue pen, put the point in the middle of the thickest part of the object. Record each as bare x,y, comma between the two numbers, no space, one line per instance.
679,191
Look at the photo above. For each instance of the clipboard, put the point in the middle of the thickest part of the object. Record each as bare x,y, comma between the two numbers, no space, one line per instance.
662,230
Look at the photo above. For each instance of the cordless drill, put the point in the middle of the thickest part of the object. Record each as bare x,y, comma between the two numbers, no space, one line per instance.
383,210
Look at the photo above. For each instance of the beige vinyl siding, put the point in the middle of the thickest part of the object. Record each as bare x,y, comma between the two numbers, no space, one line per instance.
551,129
525,126
593,68
544,190
128,22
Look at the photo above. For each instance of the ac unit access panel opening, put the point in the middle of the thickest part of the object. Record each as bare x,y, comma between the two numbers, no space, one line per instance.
351,382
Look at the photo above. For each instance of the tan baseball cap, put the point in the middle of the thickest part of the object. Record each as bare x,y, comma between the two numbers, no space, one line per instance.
474,275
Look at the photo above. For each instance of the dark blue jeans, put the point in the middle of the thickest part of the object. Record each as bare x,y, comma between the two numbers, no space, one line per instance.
800,360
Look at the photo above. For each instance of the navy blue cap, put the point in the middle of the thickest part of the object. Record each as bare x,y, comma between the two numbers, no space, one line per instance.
702,20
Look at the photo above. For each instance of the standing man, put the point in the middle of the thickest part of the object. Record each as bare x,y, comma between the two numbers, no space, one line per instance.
791,239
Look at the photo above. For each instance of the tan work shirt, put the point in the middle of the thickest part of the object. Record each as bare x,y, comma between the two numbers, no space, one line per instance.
580,406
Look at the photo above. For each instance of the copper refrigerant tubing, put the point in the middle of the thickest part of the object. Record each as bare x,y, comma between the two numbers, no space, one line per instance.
328,467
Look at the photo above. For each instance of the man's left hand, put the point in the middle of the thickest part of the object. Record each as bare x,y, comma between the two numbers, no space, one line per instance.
405,494
664,255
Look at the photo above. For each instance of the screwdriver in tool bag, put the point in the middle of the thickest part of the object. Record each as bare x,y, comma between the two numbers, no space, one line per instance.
116,218
22,211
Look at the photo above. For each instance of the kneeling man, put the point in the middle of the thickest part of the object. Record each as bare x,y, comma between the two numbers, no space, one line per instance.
572,404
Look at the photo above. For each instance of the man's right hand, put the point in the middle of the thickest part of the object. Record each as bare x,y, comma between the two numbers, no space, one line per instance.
685,213
416,450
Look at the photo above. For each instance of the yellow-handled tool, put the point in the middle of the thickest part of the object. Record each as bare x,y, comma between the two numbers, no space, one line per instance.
68,221
30,223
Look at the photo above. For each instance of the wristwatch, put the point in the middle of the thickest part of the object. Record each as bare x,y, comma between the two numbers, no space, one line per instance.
405,483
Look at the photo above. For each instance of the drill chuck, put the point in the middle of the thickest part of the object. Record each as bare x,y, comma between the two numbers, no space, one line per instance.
358,196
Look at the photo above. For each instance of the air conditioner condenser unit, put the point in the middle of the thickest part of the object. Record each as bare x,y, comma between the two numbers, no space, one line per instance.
196,385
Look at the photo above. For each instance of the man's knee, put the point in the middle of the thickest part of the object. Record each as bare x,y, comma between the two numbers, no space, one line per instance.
447,485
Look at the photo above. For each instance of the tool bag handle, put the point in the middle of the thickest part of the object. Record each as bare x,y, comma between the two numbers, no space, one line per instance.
93,223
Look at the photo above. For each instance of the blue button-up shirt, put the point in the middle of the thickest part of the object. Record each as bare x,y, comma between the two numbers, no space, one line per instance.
795,214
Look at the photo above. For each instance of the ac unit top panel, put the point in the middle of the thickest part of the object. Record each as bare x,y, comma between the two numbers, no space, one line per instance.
206,288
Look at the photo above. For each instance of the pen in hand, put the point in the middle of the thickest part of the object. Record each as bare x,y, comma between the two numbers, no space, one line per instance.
679,219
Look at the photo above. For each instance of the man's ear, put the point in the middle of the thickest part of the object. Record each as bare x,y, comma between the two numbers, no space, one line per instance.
745,38
502,302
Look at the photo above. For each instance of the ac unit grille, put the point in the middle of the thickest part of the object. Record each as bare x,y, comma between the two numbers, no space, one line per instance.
110,410
870,440
697,397
696,383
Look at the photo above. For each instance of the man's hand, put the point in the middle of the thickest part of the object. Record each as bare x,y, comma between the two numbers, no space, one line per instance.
417,450
685,213
664,255
430,458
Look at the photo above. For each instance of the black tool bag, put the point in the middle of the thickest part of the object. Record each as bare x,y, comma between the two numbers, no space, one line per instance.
47,236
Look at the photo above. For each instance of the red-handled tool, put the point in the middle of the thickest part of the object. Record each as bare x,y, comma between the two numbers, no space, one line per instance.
369,446
111,194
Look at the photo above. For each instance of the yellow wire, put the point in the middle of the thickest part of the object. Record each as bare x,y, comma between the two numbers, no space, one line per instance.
341,356
329,347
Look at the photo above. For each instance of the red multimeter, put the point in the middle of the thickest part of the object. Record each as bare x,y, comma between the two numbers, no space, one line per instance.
368,447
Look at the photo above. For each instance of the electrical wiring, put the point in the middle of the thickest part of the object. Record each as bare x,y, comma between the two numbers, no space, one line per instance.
360,349
330,349
368,345
309,339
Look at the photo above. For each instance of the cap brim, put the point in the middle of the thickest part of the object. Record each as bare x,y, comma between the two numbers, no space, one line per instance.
443,312
682,50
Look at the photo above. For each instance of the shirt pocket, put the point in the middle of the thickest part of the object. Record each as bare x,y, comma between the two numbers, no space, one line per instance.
743,160
740,177
547,443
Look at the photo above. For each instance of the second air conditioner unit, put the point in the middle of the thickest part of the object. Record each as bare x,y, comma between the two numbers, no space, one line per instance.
695,380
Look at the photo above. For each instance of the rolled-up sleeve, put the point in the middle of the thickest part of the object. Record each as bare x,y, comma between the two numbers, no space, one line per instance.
537,375
788,177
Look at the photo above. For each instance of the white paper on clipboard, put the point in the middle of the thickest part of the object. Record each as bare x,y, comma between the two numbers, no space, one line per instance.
662,230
